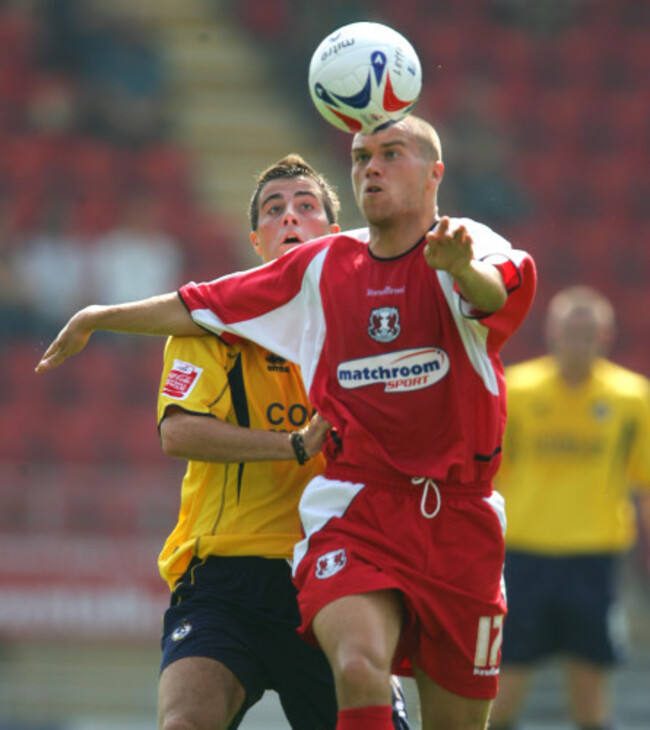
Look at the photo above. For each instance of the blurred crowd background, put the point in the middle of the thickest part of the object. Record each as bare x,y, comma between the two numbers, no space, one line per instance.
130,134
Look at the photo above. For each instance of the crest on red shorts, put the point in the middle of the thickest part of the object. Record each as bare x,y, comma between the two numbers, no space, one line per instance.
330,563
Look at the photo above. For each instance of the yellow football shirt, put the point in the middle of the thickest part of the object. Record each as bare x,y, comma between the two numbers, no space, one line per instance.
571,457
236,508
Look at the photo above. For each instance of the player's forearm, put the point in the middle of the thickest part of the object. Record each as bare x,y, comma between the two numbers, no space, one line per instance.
481,285
161,315
202,438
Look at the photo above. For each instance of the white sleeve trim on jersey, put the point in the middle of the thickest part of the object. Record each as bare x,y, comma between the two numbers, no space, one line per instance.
472,333
486,241
294,330
314,328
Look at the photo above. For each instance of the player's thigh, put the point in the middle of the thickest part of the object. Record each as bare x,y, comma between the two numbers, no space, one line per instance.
530,631
442,709
367,624
302,677
589,692
514,682
198,693
592,615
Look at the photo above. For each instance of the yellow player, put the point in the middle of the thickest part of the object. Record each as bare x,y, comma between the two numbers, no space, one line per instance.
576,446
229,633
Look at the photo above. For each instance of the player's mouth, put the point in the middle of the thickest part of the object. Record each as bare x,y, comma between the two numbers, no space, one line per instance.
291,238
372,189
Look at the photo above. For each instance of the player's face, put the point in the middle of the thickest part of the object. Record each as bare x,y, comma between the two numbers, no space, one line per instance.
391,177
576,338
291,213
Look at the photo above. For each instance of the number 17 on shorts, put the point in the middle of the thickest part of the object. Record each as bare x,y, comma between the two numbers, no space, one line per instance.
488,644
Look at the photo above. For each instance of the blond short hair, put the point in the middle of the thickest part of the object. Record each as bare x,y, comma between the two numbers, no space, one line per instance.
426,136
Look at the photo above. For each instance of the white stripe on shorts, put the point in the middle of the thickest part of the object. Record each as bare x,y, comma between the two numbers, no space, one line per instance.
322,500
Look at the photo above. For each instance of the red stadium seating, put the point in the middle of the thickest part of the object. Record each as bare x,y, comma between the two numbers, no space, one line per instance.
97,166
580,150
163,167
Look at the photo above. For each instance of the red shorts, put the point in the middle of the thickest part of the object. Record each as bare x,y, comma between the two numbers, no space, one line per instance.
448,569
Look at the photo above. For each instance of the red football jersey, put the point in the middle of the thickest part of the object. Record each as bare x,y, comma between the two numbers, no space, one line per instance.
390,353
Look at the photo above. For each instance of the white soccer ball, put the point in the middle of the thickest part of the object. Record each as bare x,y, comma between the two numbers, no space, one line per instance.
364,77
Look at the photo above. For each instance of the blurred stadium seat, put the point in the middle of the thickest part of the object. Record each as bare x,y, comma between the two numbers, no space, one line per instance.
573,102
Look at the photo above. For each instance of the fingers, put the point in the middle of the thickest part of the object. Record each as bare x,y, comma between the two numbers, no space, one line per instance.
68,342
50,359
448,250
315,434
460,235
317,421
442,228
444,236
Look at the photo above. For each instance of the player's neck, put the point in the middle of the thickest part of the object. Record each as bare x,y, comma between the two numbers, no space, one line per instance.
391,240
574,376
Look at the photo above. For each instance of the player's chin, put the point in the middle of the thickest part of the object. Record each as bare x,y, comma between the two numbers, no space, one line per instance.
375,214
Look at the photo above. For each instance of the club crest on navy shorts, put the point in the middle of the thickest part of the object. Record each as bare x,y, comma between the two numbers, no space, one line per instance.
330,563
182,631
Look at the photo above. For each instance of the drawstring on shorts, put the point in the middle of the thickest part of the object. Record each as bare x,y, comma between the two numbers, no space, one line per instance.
428,483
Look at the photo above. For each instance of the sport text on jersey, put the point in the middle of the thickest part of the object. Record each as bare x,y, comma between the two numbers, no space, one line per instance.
398,371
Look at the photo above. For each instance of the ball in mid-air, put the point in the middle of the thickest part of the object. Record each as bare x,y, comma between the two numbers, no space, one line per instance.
364,77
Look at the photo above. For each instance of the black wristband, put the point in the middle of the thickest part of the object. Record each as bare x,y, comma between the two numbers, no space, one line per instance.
298,443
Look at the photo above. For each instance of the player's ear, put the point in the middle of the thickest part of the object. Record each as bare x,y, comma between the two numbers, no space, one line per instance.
255,242
437,171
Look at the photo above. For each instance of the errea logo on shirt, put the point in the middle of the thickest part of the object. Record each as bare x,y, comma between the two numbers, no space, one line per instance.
181,379
399,371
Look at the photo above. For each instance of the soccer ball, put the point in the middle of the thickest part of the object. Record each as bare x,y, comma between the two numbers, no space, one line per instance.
364,77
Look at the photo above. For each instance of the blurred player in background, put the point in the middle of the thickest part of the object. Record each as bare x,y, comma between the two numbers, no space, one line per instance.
230,632
576,446
397,329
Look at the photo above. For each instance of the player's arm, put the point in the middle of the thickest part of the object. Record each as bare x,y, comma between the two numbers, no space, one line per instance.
206,438
161,315
479,282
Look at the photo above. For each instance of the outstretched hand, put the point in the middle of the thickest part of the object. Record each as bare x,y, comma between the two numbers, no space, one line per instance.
449,250
70,340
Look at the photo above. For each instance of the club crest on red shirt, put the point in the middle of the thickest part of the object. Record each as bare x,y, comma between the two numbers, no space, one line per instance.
384,324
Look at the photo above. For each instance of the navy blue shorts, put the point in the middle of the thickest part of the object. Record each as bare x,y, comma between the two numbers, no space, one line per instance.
562,605
243,612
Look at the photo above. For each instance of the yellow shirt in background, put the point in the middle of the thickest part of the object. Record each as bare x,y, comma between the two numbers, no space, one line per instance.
235,509
571,456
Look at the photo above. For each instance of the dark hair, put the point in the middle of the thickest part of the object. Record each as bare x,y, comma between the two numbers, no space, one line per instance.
289,167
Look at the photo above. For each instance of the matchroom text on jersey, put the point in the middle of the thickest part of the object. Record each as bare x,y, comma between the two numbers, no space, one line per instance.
399,371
